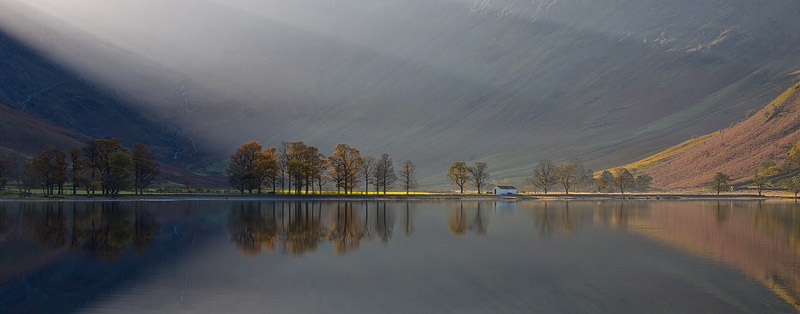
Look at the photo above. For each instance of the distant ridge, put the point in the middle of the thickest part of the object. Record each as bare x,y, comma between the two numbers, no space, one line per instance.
736,151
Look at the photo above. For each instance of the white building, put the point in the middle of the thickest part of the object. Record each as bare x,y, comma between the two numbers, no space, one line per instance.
505,190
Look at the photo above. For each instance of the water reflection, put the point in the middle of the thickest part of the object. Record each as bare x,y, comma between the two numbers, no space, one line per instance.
759,239
471,218
99,229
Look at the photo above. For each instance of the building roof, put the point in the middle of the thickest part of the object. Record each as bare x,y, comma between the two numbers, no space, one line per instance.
506,187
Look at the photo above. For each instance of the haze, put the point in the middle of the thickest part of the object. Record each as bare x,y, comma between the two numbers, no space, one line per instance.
508,82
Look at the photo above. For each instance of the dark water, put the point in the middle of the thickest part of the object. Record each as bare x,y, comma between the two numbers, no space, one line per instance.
400,257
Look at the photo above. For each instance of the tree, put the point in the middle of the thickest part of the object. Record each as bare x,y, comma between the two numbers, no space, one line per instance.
384,172
458,174
604,181
407,175
16,174
544,175
479,175
145,169
106,147
5,172
794,185
368,164
321,173
642,182
283,159
267,167
118,177
760,181
623,179
91,154
51,167
721,183
241,169
76,163
793,162
345,163
567,174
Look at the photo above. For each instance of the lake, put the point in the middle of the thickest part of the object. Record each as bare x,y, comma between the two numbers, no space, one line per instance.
223,256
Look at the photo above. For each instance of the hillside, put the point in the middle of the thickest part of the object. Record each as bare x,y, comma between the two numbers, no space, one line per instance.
507,82
737,151
28,134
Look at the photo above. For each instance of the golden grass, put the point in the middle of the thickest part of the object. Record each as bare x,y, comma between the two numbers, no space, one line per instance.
669,152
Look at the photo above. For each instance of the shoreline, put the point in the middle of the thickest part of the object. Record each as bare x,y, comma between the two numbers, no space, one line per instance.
403,197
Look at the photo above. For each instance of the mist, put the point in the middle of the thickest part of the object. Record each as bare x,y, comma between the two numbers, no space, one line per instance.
510,82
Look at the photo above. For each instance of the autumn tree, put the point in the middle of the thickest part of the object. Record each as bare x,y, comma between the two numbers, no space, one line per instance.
384,172
241,169
458,174
567,175
794,185
479,175
793,162
51,166
623,179
320,173
283,160
721,183
545,175
345,163
407,177
368,165
145,169
266,168
106,147
118,176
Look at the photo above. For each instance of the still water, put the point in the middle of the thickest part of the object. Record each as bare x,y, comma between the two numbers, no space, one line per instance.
210,256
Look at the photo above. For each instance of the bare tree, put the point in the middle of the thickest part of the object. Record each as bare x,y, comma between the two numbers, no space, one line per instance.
458,174
479,174
407,175
567,174
384,172
544,175
368,163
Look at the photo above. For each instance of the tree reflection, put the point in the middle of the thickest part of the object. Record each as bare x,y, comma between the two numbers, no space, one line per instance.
461,220
347,232
100,229
408,221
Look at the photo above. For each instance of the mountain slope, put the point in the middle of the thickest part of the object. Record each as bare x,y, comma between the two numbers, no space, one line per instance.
508,82
28,134
737,151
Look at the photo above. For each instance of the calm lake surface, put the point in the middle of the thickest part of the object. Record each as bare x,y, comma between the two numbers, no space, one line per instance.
210,256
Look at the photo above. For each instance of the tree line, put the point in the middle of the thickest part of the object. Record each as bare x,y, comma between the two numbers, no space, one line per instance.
296,167
768,174
572,175
568,176
99,165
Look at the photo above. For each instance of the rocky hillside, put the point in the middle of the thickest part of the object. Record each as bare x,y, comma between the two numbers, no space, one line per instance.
508,82
737,151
